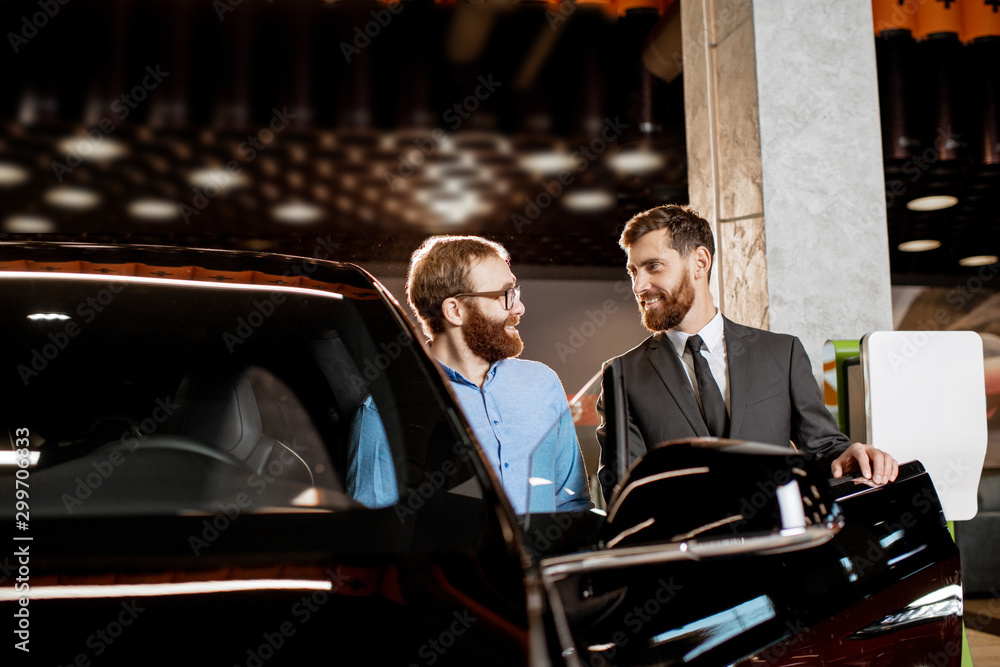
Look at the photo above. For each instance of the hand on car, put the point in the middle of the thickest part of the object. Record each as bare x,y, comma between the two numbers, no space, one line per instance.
875,466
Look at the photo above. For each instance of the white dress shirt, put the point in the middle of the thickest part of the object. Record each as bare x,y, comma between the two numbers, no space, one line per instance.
713,348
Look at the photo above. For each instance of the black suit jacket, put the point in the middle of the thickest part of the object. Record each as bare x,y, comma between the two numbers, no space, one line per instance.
774,398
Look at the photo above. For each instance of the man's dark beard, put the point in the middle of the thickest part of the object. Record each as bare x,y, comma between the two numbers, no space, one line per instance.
487,338
674,307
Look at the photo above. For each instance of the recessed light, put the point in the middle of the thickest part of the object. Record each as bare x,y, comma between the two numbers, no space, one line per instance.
70,197
638,162
217,178
297,213
12,174
979,260
931,203
588,200
548,162
456,209
919,245
34,317
28,224
153,209
87,149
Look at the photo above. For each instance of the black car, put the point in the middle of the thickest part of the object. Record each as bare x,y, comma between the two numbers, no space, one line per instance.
180,427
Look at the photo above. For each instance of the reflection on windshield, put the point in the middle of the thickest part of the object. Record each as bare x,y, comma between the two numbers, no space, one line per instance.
557,480
371,473
711,631
553,484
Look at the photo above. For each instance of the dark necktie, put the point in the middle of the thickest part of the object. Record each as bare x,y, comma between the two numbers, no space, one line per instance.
713,407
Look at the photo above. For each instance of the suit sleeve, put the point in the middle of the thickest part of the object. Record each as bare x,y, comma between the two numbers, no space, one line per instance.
608,473
812,426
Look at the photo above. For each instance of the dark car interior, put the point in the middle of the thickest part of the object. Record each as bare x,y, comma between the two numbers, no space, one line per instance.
213,399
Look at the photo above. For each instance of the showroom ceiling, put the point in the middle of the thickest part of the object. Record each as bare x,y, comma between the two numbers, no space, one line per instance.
265,125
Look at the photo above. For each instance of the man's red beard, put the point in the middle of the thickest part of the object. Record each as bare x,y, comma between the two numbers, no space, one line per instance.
672,309
487,338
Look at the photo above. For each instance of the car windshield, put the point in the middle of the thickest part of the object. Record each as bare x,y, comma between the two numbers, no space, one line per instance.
162,396
554,485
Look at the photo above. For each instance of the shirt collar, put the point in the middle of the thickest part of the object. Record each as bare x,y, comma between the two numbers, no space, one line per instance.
455,376
711,335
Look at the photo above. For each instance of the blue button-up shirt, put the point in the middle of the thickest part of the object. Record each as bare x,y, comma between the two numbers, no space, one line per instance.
522,420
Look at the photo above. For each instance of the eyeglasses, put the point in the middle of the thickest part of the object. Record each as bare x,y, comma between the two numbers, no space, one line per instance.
509,295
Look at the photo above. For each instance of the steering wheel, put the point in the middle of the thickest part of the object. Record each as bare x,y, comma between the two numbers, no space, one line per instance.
174,443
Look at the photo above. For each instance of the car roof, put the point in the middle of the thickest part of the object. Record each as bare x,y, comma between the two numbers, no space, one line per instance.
194,264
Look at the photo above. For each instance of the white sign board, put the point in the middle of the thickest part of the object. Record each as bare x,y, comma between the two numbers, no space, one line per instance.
925,395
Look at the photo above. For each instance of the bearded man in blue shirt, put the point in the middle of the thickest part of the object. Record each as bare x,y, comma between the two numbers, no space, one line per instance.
468,303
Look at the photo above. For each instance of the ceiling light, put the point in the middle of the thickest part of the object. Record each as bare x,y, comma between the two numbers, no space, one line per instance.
87,149
979,260
12,174
584,201
548,162
70,197
153,209
931,203
638,162
919,245
217,178
28,224
456,209
297,213
34,317
454,185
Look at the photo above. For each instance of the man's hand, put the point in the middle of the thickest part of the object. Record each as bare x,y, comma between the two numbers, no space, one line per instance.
874,464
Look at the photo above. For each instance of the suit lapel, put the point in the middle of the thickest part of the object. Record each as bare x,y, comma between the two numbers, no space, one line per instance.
739,359
672,373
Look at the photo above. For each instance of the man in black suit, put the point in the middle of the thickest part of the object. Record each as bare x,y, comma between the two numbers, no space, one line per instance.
700,374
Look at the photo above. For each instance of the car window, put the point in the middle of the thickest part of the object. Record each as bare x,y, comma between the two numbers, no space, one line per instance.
156,397
563,467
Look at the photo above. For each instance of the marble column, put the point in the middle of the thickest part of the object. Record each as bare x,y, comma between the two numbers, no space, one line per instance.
785,160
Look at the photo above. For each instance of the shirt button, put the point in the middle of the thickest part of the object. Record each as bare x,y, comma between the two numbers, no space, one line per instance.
496,421
506,465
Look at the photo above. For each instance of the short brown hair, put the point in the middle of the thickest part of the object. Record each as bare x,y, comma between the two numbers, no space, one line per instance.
686,229
440,269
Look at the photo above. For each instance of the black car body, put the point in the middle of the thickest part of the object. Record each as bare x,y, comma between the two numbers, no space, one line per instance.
179,423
